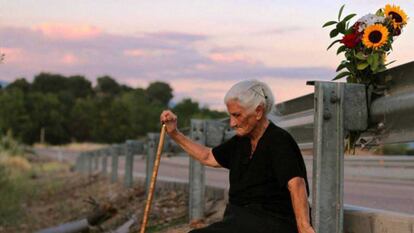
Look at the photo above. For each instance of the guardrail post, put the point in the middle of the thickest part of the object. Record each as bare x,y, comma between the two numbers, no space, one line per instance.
89,162
84,162
95,155
129,163
104,154
114,164
151,151
338,107
197,174
79,161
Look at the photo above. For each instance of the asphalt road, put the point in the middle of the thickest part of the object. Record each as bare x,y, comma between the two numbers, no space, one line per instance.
380,187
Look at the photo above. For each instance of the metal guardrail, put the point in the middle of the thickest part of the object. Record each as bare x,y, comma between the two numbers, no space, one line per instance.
391,115
339,108
297,117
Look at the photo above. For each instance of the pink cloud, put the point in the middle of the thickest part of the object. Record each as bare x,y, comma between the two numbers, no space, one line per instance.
12,54
135,53
283,88
69,32
203,67
69,59
147,52
230,58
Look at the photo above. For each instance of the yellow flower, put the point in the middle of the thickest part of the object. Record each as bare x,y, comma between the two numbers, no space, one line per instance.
375,36
398,16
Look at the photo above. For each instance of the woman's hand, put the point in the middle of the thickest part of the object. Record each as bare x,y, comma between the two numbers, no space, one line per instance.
170,120
307,229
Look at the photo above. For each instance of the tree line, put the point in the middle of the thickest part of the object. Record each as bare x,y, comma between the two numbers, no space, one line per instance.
58,109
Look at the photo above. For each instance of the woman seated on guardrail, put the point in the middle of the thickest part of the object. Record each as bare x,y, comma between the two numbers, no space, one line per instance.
268,183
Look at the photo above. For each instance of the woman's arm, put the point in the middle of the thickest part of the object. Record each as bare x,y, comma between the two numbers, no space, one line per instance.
199,152
299,197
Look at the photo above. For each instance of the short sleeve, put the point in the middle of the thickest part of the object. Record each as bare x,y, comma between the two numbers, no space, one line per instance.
222,153
288,161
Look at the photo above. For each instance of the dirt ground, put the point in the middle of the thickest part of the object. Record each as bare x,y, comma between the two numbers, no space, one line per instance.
63,195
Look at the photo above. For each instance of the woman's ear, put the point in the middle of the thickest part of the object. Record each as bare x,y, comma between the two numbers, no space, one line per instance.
259,112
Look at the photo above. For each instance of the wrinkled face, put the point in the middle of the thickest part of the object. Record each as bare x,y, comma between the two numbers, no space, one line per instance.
241,120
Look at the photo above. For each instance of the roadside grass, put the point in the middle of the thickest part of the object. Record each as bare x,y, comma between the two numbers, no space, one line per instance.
12,191
161,227
75,146
19,187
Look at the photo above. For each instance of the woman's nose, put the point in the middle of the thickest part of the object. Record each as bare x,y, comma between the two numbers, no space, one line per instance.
232,122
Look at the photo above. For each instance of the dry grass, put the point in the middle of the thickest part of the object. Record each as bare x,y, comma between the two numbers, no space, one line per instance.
15,163
50,194
74,146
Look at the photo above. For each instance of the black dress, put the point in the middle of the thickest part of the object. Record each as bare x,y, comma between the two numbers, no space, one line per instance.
259,199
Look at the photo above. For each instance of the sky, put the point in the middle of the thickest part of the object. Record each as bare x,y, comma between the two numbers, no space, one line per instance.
201,48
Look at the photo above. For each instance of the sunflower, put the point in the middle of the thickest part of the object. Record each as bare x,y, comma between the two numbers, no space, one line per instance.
375,36
398,16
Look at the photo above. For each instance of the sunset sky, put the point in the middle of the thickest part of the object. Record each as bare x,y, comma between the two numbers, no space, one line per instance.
200,48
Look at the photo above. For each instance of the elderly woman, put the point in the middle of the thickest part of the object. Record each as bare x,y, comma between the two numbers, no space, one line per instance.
268,184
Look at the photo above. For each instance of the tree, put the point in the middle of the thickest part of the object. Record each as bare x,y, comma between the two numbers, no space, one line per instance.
207,113
82,120
160,92
107,86
188,109
68,109
46,112
20,84
79,86
13,114
49,83
185,110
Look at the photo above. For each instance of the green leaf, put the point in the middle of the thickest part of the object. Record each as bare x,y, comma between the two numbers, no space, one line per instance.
361,56
381,69
375,63
389,63
379,12
340,12
362,66
341,27
376,57
341,49
348,17
370,59
336,41
329,23
333,33
341,66
341,75
349,30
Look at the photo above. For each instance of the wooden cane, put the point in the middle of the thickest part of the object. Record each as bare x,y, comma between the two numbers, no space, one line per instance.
153,180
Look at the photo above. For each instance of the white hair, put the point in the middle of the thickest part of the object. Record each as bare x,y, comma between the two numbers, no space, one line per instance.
250,94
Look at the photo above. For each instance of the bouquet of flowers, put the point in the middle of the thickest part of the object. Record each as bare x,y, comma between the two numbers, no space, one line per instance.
366,43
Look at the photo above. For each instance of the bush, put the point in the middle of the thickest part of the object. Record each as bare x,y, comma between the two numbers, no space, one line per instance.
4,175
10,146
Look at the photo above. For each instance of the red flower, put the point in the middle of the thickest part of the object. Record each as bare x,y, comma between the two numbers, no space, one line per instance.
355,28
351,40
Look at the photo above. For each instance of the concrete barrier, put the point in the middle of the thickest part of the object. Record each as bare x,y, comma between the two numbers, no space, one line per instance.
366,220
357,219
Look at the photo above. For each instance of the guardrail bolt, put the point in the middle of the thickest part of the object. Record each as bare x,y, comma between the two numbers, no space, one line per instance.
327,116
334,99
